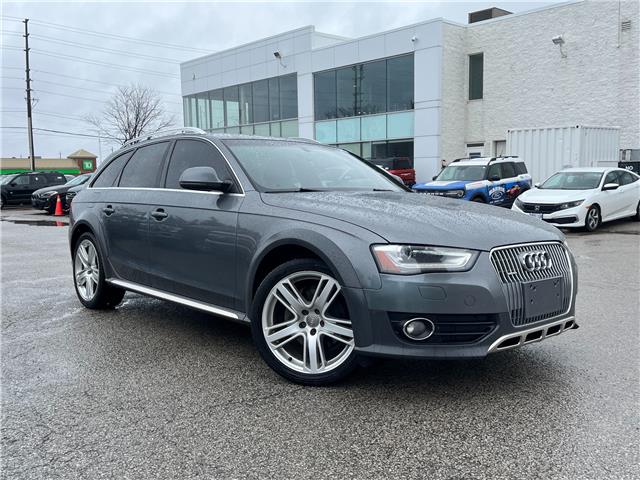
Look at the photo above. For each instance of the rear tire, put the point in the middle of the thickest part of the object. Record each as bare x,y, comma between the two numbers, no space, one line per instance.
593,219
88,274
301,325
636,217
3,202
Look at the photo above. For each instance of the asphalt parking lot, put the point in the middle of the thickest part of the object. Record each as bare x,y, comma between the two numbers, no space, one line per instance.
154,390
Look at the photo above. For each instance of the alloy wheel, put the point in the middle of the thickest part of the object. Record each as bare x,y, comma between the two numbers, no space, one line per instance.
306,324
87,272
593,218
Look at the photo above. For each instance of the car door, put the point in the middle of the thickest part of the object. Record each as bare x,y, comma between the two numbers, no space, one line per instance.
19,189
630,192
498,189
125,212
612,202
192,234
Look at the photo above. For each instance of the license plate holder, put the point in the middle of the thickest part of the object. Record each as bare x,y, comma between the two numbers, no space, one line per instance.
536,215
542,297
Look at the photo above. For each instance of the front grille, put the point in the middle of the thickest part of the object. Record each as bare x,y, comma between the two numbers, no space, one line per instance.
450,329
561,220
513,275
539,208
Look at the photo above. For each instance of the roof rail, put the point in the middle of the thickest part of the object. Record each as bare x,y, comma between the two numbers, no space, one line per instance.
164,133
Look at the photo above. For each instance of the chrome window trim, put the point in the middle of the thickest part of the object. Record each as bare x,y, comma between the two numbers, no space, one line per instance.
186,137
566,253
135,287
158,189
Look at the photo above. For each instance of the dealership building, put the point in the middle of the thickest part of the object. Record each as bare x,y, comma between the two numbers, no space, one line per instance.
432,90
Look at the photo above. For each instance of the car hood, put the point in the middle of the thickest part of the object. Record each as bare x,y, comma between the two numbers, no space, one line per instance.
58,188
541,195
442,185
401,217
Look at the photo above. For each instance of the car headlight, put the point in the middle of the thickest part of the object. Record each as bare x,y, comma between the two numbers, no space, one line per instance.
48,194
454,193
519,203
413,259
566,205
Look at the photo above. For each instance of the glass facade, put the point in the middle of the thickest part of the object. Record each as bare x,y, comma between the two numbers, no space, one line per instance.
373,127
364,89
263,107
402,148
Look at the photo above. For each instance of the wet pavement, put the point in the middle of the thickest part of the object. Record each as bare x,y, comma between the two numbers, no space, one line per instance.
154,390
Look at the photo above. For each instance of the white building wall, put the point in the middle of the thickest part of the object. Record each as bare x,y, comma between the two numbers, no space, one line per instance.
527,83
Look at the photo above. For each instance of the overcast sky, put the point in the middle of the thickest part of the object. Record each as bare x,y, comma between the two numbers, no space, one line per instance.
67,86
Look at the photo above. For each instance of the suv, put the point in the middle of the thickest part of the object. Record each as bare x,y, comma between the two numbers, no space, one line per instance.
17,188
497,180
326,256
45,198
401,167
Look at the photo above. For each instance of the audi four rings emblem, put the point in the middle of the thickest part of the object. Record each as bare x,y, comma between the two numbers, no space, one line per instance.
535,261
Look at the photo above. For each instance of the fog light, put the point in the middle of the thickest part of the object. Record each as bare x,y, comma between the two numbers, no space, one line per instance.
418,328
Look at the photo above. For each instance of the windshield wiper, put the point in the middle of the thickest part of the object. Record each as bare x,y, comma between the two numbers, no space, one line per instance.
294,190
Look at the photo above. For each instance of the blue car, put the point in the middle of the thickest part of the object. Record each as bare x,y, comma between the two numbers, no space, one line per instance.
497,181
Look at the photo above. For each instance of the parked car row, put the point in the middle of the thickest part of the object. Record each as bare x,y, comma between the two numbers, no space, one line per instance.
17,188
46,198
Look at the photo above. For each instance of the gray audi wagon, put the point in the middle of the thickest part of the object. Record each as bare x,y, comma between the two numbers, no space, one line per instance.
328,258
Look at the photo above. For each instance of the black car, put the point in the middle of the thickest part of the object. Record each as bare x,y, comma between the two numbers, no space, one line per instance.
17,188
45,198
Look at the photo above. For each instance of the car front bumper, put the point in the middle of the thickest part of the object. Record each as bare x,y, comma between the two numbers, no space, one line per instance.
567,218
470,312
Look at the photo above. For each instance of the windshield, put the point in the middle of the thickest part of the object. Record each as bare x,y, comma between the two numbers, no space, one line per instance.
6,179
274,166
79,180
463,173
573,181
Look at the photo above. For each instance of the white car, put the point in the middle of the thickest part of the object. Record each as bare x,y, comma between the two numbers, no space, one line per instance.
583,197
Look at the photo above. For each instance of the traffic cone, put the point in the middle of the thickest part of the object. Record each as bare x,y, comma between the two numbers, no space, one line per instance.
58,212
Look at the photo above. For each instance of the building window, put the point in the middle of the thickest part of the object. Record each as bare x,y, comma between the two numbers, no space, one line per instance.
400,83
364,89
476,72
256,102
324,95
393,149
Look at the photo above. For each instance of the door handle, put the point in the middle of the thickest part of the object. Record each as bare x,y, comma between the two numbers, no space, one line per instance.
159,214
108,210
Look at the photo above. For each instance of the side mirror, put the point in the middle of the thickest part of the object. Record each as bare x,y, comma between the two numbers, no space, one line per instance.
434,177
204,179
610,186
536,185
494,178
13,184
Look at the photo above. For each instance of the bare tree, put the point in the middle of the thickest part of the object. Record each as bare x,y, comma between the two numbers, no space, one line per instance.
132,112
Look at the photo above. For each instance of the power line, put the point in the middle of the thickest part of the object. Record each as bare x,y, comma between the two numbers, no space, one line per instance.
60,132
47,114
96,81
58,26
103,64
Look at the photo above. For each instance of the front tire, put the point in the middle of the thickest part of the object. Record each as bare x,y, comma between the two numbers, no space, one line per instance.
301,325
593,219
636,217
88,274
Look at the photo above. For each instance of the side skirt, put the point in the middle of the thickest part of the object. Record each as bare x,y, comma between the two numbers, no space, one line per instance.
198,305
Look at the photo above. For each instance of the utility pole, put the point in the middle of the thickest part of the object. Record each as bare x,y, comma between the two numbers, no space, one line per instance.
32,158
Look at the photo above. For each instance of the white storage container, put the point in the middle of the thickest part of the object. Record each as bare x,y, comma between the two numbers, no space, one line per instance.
546,150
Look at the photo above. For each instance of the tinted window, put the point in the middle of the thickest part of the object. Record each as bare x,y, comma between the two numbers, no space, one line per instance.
232,106
346,89
612,177
324,95
246,109
372,97
476,73
289,96
109,174
274,99
39,181
521,168
143,168
507,170
217,109
260,101
400,83
21,180
494,171
628,178
193,153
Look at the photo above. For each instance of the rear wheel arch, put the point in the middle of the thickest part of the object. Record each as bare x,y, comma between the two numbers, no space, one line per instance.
78,230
